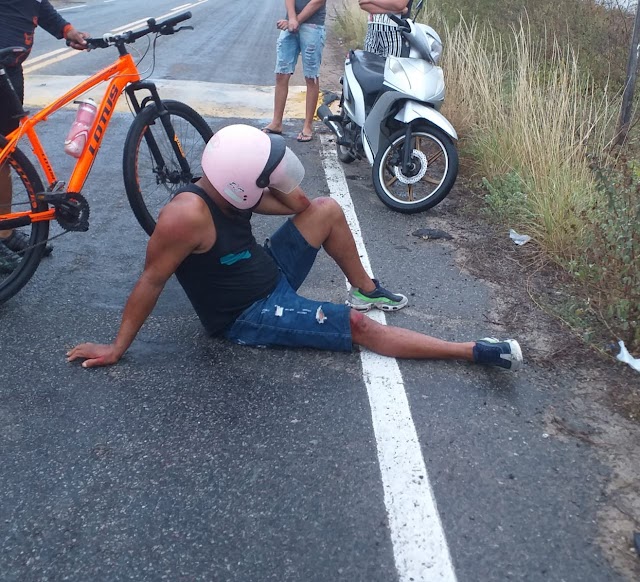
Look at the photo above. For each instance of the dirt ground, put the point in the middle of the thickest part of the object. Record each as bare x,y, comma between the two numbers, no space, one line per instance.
605,392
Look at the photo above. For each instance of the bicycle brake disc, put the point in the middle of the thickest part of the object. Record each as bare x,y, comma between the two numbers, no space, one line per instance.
72,213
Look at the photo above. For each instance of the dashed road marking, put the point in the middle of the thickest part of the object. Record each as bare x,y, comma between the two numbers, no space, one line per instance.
420,548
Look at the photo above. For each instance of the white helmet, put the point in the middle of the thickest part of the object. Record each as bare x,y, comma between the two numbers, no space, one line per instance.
240,161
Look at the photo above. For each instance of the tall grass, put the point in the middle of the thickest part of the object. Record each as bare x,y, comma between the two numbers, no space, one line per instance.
536,118
350,23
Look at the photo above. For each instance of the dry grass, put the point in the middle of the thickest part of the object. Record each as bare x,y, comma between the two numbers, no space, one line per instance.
533,116
351,23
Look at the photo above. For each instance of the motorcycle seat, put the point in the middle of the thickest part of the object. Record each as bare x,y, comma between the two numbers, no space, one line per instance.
368,69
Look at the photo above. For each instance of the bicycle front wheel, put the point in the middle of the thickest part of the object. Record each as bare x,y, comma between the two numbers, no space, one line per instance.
19,184
155,165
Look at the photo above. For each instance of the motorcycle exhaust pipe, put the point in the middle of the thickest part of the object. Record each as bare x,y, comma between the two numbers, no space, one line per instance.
329,119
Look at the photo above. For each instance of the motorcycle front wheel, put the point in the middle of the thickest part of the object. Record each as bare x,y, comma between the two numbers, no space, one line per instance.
431,174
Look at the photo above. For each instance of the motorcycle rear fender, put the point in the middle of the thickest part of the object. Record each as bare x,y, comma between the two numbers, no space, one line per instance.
410,111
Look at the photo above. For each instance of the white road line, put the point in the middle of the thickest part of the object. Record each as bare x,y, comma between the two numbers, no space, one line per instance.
47,59
419,544
71,7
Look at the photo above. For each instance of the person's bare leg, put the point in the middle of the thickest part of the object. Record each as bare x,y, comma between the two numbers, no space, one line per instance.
323,224
397,342
279,101
5,195
311,104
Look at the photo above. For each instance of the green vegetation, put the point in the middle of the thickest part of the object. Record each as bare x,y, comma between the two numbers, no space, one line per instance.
535,97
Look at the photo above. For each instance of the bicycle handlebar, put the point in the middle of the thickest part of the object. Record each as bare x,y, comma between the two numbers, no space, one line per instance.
162,28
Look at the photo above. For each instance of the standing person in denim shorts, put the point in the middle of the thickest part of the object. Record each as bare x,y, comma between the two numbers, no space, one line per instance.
301,33
248,293
383,37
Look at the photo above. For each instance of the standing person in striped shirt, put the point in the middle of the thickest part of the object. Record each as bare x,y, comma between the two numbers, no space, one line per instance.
383,37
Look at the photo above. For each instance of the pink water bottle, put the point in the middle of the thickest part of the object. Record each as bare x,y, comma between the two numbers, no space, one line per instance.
79,132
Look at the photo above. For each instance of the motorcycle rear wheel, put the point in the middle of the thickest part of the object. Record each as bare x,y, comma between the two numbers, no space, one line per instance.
433,172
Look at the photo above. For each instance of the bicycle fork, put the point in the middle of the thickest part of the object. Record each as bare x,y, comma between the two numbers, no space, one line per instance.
166,123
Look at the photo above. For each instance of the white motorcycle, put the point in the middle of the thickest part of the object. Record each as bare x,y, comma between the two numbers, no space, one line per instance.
390,113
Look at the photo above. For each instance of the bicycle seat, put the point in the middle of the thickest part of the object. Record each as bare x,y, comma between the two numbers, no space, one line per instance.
9,54
368,69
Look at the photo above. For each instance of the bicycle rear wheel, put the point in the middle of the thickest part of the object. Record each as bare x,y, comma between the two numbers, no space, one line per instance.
16,269
152,170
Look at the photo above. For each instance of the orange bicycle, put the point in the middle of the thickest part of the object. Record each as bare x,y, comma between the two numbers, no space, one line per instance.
162,151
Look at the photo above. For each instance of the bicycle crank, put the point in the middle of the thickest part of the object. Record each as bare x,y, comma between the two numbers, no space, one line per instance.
72,210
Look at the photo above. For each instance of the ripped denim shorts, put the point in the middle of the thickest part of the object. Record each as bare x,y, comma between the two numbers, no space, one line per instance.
285,318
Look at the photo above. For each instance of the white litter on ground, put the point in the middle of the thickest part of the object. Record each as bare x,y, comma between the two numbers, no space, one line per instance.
627,358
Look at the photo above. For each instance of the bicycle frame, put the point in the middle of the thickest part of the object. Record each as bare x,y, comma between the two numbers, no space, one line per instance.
122,74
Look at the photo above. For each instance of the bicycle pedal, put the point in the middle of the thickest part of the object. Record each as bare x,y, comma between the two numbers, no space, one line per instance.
52,198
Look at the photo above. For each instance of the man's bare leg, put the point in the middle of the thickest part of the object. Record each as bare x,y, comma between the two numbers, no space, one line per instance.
279,101
323,224
397,342
311,104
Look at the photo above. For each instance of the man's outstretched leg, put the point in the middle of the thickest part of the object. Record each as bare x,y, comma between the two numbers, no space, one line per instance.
311,104
397,342
323,224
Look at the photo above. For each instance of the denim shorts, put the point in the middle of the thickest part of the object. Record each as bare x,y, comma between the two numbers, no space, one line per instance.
286,319
308,42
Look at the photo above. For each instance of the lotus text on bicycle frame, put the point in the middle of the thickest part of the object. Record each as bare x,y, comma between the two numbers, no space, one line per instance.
105,115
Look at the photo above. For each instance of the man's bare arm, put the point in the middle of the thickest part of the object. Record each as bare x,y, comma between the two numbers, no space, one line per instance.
274,202
176,236
384,6
310,9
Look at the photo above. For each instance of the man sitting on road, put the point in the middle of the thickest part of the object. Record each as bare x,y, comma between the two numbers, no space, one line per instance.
248,293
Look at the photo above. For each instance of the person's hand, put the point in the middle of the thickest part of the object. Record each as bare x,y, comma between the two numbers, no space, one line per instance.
294,25
76,38
94,355
282,24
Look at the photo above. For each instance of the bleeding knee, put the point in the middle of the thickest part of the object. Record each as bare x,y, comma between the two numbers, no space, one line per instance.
360,324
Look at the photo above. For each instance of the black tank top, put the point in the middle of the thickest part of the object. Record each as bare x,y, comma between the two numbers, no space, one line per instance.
232,275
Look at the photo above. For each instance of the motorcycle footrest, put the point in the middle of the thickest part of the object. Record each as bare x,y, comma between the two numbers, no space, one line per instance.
344,142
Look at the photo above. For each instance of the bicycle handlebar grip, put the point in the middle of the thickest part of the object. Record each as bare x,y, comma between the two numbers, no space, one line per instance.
175,19
93,43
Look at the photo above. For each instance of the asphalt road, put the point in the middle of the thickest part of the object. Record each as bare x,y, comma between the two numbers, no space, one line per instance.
194,459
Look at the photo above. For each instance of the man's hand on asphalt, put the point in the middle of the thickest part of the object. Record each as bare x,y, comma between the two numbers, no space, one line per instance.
94,355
